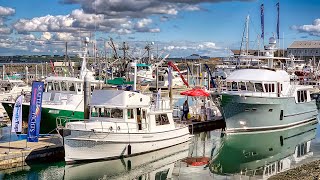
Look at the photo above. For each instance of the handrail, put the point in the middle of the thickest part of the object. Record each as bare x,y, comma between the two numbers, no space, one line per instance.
63,120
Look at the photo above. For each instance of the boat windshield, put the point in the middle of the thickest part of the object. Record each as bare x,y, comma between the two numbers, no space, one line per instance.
107,112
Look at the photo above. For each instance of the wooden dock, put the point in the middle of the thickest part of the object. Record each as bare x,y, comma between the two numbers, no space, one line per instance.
201,126
48,148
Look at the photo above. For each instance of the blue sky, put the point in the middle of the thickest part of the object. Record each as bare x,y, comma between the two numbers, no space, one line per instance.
177,27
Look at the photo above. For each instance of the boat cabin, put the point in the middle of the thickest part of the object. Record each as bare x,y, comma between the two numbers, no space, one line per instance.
265,83
127,111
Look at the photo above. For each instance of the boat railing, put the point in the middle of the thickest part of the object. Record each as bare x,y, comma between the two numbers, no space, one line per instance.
160,105
112,126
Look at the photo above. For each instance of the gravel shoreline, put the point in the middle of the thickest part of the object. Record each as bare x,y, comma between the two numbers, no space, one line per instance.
306,171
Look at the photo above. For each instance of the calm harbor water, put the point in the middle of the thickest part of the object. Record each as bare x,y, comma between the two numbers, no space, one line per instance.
228,155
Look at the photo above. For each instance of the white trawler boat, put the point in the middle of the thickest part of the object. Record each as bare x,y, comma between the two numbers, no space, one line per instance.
265,99
121,124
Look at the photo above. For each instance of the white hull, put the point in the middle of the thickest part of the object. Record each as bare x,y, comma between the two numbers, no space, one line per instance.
87,145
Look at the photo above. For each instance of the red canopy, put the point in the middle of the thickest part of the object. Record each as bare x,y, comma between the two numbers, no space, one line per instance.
195,92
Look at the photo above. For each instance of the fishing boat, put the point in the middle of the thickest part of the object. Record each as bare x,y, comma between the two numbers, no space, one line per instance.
10,89
264,98
121,124
62,96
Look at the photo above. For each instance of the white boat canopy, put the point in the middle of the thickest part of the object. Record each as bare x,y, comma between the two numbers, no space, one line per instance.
261,75
118,99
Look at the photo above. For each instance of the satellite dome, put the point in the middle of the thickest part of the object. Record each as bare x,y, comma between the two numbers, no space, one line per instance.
272,40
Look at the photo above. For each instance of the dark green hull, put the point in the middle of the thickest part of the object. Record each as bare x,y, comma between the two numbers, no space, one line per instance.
48,116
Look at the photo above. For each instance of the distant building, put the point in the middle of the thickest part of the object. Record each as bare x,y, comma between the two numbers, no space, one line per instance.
254,52
305,49
193,57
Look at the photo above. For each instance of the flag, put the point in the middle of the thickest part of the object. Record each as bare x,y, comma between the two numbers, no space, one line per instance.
262,21
211,77
16,124
278,20
35,111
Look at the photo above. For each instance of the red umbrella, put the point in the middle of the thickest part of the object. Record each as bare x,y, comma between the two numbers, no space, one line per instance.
195,92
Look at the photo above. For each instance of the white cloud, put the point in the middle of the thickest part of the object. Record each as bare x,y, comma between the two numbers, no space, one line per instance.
5,30
46,23
36,50
143,23
6,11
62,36
312,29
46,36
28,37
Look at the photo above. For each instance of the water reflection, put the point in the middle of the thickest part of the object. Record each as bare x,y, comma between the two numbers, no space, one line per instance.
154,165
263,154
208,156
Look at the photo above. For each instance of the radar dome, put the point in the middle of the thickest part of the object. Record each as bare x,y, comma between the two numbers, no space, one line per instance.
272,40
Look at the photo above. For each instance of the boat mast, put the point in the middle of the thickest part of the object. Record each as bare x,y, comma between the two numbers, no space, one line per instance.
247,34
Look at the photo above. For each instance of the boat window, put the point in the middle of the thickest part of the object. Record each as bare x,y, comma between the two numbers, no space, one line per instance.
266,87
229,86
273,168
250,86
71,86
64,86
79,85
162,119
161,78
259,87
302,96
130,113
144,114
94,112
259,171
56,86
50,86
107,112
242,86
269,88
234,86
117,113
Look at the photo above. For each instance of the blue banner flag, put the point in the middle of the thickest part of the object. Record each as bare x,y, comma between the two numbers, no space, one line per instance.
278,20
35,111
211,77
262,21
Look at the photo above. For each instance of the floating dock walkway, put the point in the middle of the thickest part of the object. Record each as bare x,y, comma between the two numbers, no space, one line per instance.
47,149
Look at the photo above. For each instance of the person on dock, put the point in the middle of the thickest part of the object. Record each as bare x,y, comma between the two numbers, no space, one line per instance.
185,110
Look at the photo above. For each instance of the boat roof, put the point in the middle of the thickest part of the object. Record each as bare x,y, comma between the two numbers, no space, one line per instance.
261,75
118,99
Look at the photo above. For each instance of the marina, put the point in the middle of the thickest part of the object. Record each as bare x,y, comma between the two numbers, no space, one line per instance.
84,95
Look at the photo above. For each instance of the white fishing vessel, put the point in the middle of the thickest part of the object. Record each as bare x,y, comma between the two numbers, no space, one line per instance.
264,98
121,124
10,89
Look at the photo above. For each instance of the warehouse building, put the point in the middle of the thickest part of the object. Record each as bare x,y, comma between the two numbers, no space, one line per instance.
305,50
